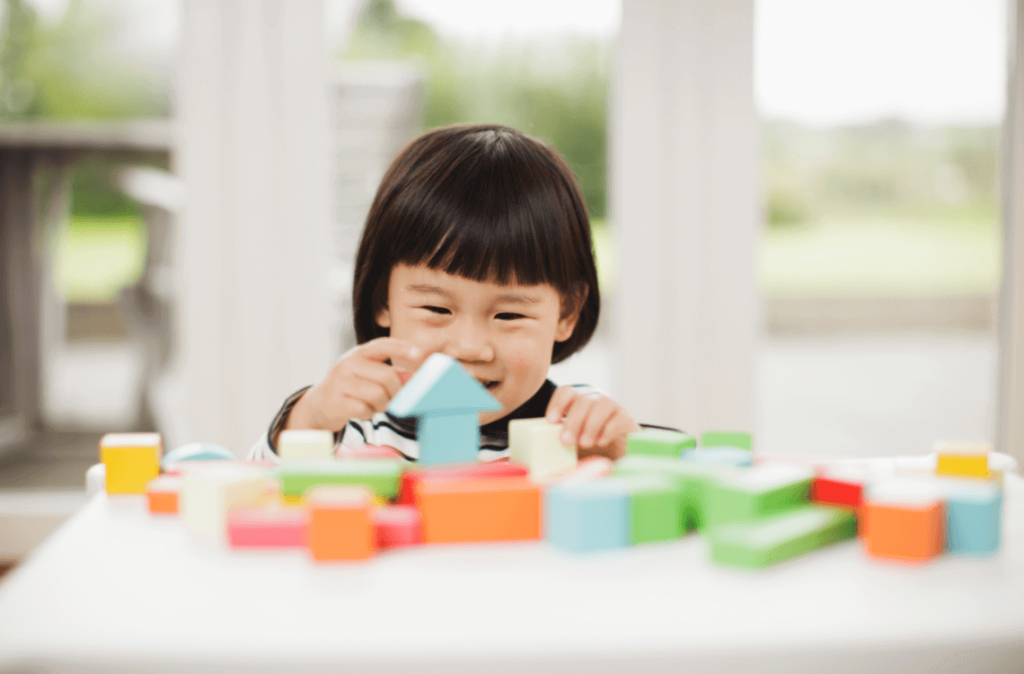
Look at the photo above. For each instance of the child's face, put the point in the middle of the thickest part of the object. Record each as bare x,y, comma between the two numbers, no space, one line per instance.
502,335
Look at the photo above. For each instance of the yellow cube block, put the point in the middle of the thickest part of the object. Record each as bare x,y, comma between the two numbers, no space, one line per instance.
962,459
131,460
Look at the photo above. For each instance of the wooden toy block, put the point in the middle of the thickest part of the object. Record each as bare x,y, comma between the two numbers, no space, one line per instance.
967,459
397,526
757,492
341,523
587,516
496,509
840,486
727,439
447,402
196,451
301,445
412,477
534,443
367,452
207,496
973,517
903,519
758,543
382,476
274,526
656,508
693,479
162,494
131,460
726,456
659,442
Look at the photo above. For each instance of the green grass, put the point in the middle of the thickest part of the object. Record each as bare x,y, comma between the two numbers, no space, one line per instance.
94,257
881,258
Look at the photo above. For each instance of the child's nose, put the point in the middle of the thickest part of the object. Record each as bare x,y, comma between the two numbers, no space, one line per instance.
471,344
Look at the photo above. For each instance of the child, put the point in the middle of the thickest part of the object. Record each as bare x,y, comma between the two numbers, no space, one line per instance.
477,245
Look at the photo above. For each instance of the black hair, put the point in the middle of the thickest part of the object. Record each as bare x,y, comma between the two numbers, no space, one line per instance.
487,203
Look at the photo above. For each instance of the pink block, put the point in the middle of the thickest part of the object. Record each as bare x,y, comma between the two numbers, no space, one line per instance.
367,452
397,526
267,528
589,469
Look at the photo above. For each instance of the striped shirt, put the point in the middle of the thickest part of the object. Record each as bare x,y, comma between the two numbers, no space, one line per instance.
391,431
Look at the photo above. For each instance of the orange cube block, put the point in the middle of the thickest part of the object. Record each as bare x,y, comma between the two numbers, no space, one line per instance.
903,520
341,522
499,509
162,495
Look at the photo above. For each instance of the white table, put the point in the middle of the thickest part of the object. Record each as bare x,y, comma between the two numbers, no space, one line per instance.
118,590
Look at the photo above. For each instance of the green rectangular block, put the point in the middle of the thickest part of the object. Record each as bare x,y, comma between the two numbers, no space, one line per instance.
656,508
659,442
758,543
381,475
727,439
692,478
757,492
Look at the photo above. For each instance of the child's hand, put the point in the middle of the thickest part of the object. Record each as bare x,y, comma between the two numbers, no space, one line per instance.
595,423
357,386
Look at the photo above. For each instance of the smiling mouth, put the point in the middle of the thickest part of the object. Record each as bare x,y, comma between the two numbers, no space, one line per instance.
489,385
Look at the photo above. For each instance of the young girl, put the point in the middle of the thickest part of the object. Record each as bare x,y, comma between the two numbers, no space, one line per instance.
477,246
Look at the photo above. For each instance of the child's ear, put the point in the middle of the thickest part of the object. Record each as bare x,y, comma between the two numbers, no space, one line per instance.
384,318
572,306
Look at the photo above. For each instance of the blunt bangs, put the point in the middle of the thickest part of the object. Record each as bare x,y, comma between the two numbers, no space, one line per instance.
486,203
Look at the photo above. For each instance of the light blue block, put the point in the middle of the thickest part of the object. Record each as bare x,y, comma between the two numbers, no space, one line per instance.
974,520
196,451
722,456
587,516
448,439
447,401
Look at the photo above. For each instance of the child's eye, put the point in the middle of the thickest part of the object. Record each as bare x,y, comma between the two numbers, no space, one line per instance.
507,316
437,310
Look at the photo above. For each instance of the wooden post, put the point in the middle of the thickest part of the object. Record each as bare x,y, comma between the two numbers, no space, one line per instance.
1010,431
254,247
685,205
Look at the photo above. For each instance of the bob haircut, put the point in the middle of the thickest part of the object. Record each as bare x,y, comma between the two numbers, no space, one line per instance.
487,203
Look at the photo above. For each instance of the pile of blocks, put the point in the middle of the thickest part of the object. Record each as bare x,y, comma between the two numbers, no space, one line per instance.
350,503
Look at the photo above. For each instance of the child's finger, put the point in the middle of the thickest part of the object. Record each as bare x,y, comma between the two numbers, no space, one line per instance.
574,419
372,393
385,375
398,351
353,408
618,427
559,404
600,413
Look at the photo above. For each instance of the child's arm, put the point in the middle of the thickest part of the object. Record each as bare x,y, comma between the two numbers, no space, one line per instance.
594,422
357,386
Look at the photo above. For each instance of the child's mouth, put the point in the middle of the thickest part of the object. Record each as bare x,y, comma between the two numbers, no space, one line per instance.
489,385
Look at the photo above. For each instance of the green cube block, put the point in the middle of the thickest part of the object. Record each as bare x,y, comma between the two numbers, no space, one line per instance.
656,508
757,492
727,439
659,442
758,543
380,475
692,478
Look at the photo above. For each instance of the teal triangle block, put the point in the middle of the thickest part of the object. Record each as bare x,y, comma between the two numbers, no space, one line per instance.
441,386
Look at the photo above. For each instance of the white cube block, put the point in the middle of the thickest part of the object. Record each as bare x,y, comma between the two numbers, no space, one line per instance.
305,444
535,444
207,496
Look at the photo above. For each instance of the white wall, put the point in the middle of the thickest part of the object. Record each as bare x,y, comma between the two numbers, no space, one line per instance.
685,202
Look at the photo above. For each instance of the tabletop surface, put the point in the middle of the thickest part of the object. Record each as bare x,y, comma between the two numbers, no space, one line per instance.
133,135
119,588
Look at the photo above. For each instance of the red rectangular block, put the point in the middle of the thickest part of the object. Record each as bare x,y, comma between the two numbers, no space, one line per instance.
397,526
498,509
274,527
412,477
834,491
